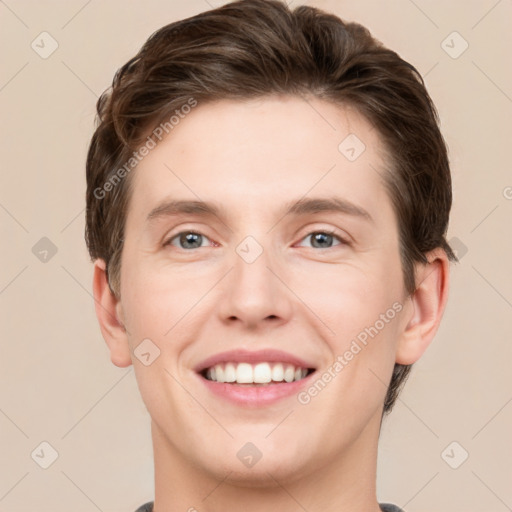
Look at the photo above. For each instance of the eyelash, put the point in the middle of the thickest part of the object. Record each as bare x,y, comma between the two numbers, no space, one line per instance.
332,233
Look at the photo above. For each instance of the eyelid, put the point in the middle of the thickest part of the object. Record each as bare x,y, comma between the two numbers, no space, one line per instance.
319,227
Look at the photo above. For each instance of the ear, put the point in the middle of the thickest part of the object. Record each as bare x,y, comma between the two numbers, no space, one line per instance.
109,313
426,307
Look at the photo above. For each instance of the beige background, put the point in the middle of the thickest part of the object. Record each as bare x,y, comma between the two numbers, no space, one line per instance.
57,382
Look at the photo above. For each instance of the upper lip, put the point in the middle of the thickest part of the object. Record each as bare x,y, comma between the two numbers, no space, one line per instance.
253,357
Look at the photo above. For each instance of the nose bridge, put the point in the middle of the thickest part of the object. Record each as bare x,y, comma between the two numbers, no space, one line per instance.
254,292
251,265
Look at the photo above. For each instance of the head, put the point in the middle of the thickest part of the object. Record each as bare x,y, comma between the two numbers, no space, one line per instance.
251,104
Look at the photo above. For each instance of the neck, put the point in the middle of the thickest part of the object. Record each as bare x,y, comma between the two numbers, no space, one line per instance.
344,484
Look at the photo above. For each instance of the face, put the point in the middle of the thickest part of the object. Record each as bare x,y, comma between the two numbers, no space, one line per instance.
289,270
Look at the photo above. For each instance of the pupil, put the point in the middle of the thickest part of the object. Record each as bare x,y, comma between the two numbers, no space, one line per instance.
322,238
190,240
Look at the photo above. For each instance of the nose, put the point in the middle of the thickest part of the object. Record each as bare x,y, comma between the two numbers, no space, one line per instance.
255,293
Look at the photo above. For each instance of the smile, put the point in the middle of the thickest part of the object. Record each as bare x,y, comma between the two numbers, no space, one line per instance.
262,373
254,379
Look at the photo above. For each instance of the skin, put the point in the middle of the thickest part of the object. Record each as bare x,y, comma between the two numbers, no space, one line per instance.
251,158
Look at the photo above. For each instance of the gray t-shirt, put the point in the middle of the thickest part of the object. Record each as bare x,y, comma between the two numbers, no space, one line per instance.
388,507
385,507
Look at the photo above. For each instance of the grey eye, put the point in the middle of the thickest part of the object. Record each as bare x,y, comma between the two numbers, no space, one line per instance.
188,240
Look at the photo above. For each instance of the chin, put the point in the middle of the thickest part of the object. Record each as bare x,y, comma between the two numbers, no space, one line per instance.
269,471
265,476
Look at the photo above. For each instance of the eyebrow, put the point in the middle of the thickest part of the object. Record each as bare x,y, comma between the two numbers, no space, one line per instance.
304,206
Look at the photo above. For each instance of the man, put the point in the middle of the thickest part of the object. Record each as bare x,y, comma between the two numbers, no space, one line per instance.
268,197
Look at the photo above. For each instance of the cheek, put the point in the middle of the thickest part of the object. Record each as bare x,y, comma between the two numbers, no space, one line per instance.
162,310
157,300
365,318
361,307
350,298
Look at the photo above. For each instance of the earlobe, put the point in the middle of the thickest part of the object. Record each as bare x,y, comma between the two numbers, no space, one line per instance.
109,314
426,307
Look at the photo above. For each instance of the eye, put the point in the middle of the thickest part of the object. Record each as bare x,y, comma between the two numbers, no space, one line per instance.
188,240
324,239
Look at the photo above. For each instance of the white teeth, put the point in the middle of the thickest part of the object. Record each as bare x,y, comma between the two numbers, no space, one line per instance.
278,373
260,373
244,374
211,373
230,373
219,373
289,373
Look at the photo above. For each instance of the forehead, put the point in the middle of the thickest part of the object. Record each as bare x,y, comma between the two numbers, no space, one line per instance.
265,151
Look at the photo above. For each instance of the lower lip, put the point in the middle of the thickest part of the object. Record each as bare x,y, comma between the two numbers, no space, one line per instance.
257,395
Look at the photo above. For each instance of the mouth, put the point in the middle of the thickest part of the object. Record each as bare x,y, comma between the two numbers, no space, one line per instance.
254,379
260,374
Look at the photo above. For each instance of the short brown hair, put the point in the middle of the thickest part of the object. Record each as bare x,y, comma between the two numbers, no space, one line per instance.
255,48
